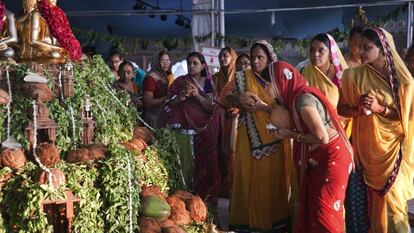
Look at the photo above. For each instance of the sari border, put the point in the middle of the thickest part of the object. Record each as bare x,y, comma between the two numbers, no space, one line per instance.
258,148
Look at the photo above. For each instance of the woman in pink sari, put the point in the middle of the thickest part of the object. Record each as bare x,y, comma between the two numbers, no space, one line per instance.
322,152
192,107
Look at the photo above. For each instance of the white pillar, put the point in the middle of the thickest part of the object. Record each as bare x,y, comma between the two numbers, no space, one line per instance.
410,24
222,24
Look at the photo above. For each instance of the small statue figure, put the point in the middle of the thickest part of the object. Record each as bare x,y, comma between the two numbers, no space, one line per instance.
35,41
8,33
87,108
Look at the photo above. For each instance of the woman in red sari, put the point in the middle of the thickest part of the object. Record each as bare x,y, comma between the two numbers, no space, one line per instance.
322,152
192,107
155,89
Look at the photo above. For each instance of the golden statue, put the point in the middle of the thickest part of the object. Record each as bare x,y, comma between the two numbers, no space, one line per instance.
35,41
8,35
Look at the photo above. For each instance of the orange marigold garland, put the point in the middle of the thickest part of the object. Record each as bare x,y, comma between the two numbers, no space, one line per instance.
60,29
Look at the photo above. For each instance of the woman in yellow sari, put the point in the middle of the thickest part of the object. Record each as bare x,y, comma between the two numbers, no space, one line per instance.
259,200
378,95
325,70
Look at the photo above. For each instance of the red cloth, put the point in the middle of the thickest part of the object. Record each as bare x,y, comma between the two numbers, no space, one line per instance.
191,115
158,88
322,188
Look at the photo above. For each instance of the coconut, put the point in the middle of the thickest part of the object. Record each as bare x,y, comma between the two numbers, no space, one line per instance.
180,216
166,223
140,144
175,202
183,195
4,97
155,207
197,208
39,90
96,151
79,155
58,177
130,146
151,190
13,158
144,134
173,229
48,154
149,225
280,117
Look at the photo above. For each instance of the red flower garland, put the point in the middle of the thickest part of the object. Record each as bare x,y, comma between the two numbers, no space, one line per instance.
2,11
59,28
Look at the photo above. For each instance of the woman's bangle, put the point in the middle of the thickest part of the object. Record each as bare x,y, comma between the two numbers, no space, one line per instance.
298,137
386,112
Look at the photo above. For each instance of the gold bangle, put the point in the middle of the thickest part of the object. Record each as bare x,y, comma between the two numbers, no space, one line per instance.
385,112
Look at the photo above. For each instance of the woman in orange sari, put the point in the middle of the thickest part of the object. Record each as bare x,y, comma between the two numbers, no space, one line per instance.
260,182
379,95
325,70
227,58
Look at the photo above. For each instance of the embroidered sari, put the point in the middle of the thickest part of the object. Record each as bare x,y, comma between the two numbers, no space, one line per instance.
322,186
383,147
330,88
191,115
259,199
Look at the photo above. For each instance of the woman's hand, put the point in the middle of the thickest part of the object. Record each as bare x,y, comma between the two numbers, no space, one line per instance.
370,102
282,133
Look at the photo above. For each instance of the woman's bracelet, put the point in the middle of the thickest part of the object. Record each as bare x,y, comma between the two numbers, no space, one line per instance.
299,137
386,112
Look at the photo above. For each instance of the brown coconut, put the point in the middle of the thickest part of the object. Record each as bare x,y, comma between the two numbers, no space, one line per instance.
175,202
130,146
149,225
38,90
166,223
152,190
173,229
13,158
58,177
96,151
144,134
4,97
197,209
179,214
280,117
48,154
140,144
183,195
79,155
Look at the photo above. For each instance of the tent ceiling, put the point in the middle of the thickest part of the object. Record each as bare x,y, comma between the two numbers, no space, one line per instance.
298,24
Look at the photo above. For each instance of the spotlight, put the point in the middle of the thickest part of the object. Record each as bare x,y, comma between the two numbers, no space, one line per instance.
187,24
163,17
139,5
179,21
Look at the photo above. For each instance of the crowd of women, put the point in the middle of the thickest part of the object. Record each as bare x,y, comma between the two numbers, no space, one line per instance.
323,149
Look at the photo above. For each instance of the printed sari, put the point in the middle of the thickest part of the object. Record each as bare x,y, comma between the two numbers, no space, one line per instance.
384,147
191,115
323,171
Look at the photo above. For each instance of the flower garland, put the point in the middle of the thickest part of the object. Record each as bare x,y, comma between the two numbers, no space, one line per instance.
2,11
60,28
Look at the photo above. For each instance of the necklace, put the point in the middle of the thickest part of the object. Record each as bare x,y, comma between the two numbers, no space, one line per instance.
329,69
